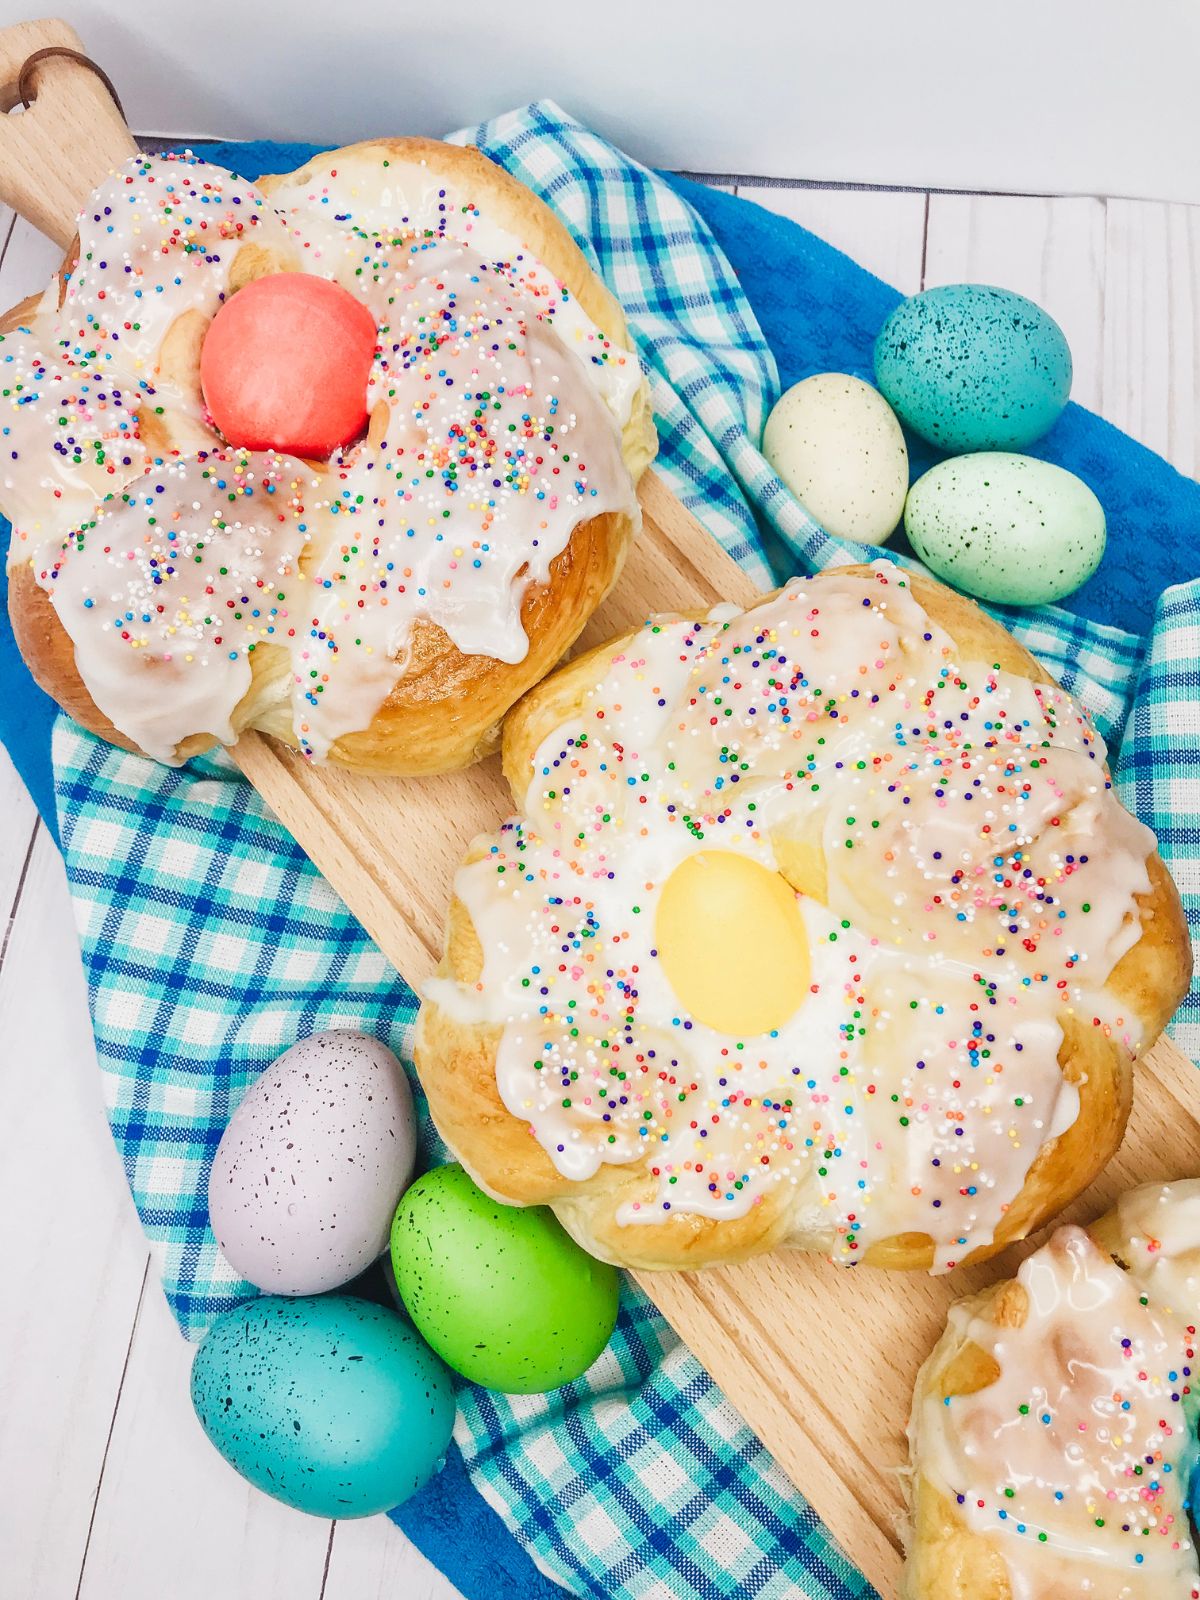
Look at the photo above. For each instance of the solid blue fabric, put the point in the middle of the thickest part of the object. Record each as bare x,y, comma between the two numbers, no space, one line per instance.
26,714
453,1526
819,312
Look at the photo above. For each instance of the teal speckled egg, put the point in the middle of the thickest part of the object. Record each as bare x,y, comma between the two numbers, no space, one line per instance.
969,367
333,1405
1006,528
502,1293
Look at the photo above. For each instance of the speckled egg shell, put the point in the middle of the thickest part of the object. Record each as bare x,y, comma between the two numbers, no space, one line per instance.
308,1172
970,367
1006,528
837,445
502,1294
334,1406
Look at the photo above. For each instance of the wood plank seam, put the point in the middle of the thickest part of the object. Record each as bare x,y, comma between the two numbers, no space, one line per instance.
8,233
18,891
87,1543
328,1558
751,181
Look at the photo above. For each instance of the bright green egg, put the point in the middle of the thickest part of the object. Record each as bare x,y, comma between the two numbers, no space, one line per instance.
1006,528
502,1293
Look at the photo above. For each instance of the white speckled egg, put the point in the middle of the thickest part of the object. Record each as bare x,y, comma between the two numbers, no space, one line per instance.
1006,528
309,1171
837,445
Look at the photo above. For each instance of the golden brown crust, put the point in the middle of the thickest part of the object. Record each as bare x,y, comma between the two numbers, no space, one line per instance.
20,313
457,1062
443,714
447,709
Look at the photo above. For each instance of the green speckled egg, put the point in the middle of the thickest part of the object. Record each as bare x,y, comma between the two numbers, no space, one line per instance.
1006,528
331,1404
501,1292
970,367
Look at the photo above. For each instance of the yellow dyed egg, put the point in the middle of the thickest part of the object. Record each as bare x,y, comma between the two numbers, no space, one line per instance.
732,943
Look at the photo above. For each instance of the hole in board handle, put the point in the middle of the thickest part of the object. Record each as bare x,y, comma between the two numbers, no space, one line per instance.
19,97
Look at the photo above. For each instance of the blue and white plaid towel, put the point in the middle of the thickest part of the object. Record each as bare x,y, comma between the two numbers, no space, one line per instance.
211,944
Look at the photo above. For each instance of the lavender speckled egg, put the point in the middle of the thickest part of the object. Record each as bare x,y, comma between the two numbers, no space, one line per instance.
333,1405
971,367
309,1170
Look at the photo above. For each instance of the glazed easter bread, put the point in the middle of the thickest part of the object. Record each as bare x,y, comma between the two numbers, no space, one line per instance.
1054,1428
381,609
816,925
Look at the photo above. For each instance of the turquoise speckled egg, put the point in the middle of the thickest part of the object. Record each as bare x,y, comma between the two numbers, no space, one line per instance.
333,1405
1006,528
502,1293
969,367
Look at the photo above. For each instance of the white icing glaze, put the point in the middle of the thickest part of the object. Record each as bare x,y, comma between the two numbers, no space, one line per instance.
520,441
346,212
497,407
1076,1460
55,471
1160,1224
168,593
159,238
978,888
156,240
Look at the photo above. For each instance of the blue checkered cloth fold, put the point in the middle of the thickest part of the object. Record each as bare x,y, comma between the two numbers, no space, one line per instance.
211,943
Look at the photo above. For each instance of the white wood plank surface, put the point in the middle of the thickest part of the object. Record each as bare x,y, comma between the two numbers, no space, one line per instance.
1152,327
362,1567
171,1517
17,817
1051,250
72,1262
883,230
107,1488
27,264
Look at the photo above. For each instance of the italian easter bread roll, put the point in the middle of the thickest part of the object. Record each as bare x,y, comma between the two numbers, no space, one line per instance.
383,607
817,924
1054,1426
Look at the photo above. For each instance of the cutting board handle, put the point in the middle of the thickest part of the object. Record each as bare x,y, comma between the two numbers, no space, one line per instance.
57,150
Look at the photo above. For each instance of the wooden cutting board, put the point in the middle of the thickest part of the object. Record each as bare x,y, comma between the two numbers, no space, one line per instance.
819,1360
